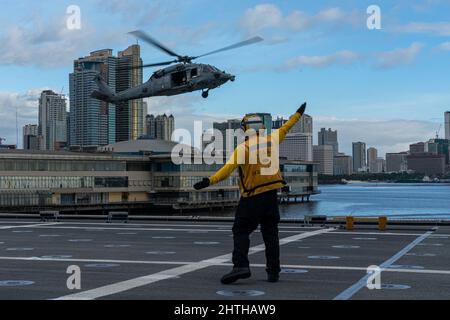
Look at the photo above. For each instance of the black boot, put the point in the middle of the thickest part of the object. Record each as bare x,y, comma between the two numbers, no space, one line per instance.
273,277
236,274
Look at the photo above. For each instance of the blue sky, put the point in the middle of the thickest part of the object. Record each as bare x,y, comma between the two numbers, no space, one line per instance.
387,87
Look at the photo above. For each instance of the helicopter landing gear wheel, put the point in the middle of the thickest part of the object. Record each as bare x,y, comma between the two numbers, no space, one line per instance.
205,94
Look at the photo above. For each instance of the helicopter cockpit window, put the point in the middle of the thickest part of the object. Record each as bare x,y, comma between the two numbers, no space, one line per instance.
194,72
208,69
179,78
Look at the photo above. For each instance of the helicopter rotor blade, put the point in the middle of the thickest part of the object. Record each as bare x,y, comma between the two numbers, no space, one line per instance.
234,46
149,65
145,37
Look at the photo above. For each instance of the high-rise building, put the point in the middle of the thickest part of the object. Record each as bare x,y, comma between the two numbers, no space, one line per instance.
439,146
342,164
447,125
129,114
418,147
396,162
323,155
278,122
232,124
30,137
92,122
52,121
379,166
160,127
359,157
328,137
298,144
372,156
426,163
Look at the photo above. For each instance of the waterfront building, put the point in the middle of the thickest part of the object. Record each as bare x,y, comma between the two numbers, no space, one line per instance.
130,175
439,146
426,163
30,137
396,162
418,147
359,157
342,164
372,156
298,144
323,156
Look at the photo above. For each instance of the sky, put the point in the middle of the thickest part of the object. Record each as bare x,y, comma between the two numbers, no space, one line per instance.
388,87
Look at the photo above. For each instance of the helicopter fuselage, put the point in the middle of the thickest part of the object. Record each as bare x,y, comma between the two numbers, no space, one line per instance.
177,79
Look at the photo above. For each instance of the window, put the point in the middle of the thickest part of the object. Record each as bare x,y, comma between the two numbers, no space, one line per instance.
194,72
179,78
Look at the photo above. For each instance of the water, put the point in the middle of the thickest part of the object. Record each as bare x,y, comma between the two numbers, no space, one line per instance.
368,199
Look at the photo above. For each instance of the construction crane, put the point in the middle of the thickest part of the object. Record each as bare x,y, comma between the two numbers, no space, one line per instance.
438,130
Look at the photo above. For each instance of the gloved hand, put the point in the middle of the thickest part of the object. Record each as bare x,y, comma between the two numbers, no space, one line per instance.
202,184
301,110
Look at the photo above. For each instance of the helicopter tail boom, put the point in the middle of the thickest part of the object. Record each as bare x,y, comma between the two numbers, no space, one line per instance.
104,92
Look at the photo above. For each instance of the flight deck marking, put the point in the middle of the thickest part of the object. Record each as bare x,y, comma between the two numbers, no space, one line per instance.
192,231
29,225
349,292
171,273
64,258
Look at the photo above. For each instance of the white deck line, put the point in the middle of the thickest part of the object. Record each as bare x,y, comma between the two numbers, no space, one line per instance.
172,273
352,290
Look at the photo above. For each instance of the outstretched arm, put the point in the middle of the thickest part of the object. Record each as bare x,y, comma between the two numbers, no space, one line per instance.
220,175
283,131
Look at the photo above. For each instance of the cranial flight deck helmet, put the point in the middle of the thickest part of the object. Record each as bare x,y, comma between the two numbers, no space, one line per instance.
252,121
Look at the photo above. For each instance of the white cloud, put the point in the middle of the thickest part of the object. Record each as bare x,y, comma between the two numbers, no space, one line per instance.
398,57
26,104
385,135
48,43
185,109
341,57
268,19
445,46
433,28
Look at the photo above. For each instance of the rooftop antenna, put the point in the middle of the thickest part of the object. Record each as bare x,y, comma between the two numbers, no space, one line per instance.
17,129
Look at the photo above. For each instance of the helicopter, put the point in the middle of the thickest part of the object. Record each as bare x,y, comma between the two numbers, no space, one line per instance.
181,76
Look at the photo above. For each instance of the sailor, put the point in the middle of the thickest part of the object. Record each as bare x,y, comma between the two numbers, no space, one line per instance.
259,186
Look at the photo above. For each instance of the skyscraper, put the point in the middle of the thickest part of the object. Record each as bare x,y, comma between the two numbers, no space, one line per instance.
30,137
129,114
328,137
372,155
447,125
298,144
52,121
231,124
359,157
92,122
323,155
160,127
